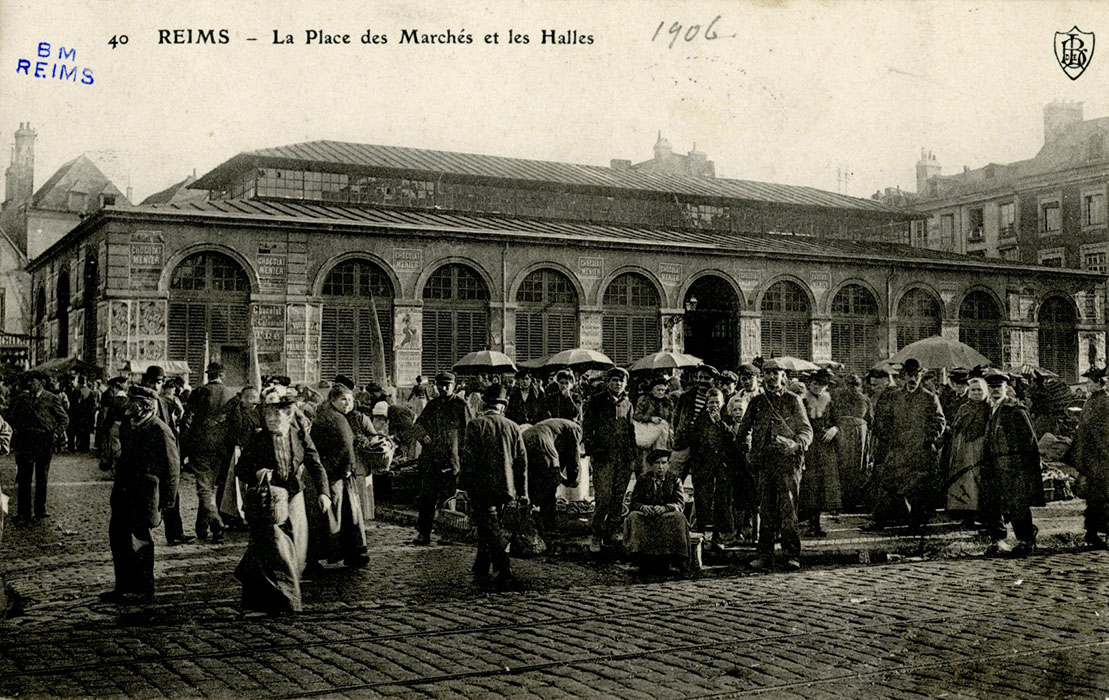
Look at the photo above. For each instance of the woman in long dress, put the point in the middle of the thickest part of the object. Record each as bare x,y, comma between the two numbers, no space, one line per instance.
852,411
273,462
964,454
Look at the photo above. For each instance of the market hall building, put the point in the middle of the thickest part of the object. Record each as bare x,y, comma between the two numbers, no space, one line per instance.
301,250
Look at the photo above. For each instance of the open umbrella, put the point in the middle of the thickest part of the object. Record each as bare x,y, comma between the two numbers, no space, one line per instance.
534,363
937,352
579,360
664,360
486,361
1029,370
795,364
830,364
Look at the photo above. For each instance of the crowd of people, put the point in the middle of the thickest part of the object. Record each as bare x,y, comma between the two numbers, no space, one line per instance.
766,454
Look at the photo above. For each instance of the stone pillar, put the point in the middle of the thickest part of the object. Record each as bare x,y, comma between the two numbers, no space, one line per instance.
268,326
590,330
302,341
136,330
750,335
821,338
510,331
408,341
950,330
1091,345
673,332
1020,344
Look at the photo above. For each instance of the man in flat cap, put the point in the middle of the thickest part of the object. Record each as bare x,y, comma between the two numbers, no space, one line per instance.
687,409
440,429
1011,479
205,431
609,438
1089,454
145,484
494,473
777,430
908,480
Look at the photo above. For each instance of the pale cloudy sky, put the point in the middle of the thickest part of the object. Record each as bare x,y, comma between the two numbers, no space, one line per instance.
789,92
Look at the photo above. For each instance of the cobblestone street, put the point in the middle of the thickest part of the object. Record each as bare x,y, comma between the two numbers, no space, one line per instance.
413,624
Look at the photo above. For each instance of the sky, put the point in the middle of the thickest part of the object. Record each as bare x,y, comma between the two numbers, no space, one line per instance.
792,92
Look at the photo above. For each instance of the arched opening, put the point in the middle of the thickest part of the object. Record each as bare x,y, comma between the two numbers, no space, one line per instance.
357,324
855,328
209,315
918,317
980,325
630,326
546,314
711,322
1058,338
786,321
456,316
62,300
91,277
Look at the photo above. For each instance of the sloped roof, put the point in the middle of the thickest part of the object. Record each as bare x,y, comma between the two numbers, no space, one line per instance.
1069,150
78,175
343,157
177,192
331,217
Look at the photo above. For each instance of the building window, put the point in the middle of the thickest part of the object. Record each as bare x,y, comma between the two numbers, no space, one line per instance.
630,325
976,230
1052,257
1094,257
1050,217
786,321
1097,146
547,315
456,317
209,314
357,323
947,228
1058,338
1093,209
1012,253
855,328
918,317
980,325
1006,220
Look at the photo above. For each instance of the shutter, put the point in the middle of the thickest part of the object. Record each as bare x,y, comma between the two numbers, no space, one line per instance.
196,338
608,336
329,342
385,321
562,332
178,331
363,344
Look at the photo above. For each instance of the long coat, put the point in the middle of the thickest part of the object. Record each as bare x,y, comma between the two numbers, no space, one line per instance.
441,427
206,422
552,447
494,460
35,419
914,431
148,451
1089,453
334,439
1011,458
607,430
769,415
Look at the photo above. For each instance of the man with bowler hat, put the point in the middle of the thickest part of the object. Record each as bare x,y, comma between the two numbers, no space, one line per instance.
440,429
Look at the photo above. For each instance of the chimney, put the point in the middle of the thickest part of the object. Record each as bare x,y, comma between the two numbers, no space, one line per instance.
663,149
620,164
926,168
1060,115
130,194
